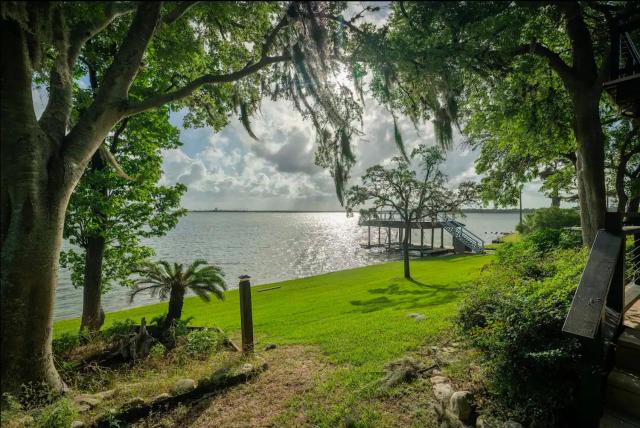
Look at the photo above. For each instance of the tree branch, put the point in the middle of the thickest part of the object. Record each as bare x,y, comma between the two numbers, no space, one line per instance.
565,72
189,88
105,111
86,30
179,11
268,43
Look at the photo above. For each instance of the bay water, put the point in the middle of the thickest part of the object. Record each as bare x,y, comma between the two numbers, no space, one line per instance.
270,247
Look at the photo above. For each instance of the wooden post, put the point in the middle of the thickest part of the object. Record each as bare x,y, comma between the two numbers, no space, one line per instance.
369,236
433,230
421,238
442,237
389,238
246,316
379,242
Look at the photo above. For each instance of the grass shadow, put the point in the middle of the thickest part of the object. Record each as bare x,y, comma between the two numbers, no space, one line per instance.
398,297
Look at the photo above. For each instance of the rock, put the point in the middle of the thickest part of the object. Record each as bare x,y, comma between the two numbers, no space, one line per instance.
438,379
105,395
87,399
77,424
246,369
134,402
461,406
162,396
484,421
512,424
443,392
182,386
270,346
417,317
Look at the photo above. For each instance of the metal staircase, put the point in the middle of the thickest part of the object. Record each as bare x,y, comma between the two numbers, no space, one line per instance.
462,234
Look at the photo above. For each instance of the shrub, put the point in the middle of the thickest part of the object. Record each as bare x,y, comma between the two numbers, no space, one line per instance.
157,351
66,343
58,414
201,343
545,240
119,330
514,316
549,218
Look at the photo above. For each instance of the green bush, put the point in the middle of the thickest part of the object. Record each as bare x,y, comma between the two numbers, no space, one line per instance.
201,343
57,415
119,330
514,316
549,218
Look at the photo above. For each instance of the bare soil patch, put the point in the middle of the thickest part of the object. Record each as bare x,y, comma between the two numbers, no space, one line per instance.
292,371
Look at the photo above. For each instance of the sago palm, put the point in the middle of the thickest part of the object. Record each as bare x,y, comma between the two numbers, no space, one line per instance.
164,279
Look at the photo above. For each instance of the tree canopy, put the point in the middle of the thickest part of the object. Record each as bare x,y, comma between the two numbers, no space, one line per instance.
109,214
414,191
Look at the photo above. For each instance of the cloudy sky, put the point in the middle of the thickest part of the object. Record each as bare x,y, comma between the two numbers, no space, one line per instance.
230,170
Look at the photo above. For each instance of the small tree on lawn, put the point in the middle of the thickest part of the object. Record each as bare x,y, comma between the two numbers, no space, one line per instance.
164,279
414,193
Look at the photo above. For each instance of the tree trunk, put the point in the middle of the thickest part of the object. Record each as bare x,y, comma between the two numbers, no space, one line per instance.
590,164
633,206
405,252
176,301
41,162
35,188
92,313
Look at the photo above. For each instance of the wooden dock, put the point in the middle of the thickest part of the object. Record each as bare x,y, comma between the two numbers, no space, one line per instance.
388,222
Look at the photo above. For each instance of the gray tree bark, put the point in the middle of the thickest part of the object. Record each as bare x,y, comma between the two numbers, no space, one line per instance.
92,312
41,164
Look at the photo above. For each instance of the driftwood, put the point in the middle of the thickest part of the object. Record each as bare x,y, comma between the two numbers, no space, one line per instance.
218,382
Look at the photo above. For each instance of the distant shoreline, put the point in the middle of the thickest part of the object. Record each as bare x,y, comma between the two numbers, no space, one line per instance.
467,211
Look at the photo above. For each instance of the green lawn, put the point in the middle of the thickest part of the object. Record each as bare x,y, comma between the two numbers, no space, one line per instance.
355,316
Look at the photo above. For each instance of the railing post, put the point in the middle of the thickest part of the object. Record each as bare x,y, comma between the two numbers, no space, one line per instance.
615,299
246,316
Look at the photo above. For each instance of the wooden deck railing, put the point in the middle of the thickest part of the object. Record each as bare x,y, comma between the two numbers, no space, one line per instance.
597,311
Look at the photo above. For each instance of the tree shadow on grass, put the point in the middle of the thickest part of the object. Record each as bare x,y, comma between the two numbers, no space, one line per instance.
408,297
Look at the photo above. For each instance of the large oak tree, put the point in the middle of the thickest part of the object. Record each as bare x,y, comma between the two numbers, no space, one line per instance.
212,58
430,54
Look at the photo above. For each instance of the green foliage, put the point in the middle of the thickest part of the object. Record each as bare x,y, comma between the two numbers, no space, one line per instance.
514,316
157,351
57,415
201,343
67,342
119,329
121,211
549,218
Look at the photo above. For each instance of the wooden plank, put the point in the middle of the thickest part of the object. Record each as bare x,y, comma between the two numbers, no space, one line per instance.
631,294
587,308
